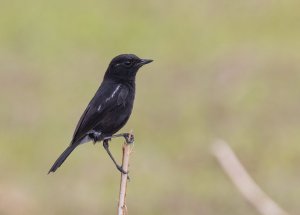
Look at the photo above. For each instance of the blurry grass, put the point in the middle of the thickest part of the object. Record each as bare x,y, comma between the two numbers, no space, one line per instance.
221,69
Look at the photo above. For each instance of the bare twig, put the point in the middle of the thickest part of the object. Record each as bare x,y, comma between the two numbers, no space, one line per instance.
244,183
122,209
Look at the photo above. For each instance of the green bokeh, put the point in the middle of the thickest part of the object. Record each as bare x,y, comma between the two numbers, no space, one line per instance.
222,70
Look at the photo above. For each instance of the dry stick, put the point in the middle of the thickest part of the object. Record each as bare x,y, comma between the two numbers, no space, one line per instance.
122,209
241,179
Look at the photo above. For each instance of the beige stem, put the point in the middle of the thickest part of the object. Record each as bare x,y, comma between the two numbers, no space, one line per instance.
122,209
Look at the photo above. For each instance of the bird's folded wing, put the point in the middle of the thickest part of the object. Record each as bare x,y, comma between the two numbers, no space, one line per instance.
106,98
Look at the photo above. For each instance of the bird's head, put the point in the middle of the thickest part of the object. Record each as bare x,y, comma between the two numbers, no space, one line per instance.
124,67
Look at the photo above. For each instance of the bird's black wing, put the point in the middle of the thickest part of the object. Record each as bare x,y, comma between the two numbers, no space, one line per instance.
107,97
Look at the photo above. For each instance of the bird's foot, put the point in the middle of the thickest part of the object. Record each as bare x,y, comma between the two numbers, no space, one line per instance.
129,138
120,168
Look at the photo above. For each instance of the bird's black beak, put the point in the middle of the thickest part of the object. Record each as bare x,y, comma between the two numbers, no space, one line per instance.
143,62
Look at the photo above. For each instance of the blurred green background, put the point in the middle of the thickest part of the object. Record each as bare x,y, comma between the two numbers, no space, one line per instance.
222,70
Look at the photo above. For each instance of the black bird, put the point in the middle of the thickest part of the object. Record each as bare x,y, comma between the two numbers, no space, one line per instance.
109,109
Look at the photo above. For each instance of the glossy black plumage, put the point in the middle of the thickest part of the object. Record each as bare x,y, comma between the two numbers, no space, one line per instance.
111,106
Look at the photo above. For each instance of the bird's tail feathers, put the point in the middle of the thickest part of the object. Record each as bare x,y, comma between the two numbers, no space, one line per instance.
62,157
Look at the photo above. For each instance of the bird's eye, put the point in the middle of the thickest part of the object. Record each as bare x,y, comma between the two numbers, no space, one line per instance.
128,63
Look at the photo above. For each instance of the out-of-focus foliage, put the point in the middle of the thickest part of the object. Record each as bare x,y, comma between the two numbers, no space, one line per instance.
226,69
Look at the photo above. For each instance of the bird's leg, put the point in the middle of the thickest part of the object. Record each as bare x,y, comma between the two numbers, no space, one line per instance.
106,147
129,138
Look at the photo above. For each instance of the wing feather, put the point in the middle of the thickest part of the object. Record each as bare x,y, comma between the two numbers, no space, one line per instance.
107,97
